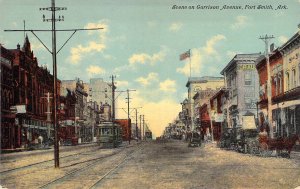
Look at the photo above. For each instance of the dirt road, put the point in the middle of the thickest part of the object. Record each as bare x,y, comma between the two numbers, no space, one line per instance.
162,165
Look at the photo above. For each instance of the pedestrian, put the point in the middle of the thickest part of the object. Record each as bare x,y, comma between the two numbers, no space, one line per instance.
40,139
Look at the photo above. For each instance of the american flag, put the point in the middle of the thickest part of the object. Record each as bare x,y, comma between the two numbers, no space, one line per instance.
185,55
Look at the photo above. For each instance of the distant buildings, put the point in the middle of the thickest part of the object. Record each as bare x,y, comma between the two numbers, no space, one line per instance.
202,87
214,104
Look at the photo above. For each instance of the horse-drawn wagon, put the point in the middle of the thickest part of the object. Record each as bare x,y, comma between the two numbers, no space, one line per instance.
281,144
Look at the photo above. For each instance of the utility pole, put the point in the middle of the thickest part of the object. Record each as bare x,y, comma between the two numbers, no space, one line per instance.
266,40
48,111
136,124
54,52
128,113
141,127
113,97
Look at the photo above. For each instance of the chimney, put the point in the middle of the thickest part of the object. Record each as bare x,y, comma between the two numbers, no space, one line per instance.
272,47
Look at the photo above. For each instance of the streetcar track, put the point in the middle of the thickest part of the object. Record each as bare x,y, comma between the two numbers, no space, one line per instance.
47,161
114,168
95,160
33,164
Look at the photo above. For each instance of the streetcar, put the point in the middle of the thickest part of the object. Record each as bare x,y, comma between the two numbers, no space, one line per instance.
109,135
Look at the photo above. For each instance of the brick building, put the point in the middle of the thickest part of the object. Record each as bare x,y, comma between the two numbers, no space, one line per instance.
9,130
31,84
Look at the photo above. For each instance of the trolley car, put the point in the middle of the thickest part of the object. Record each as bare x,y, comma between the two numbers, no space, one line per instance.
109,135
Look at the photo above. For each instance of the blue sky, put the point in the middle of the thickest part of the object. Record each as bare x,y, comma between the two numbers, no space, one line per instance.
142,40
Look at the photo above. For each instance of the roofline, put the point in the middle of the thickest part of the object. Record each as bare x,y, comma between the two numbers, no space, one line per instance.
202,79
297,34
234,60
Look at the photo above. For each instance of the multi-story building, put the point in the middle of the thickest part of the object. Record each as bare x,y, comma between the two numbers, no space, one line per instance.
241,81
9,130
197,84
216,110
100,91
32,84
287,104
80,106
277,85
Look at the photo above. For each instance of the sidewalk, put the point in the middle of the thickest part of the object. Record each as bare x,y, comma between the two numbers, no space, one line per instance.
23,151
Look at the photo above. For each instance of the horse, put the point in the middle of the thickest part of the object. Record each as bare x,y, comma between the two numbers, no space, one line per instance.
288,143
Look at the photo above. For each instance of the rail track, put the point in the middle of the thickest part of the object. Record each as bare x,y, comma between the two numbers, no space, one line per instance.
40,163
95,170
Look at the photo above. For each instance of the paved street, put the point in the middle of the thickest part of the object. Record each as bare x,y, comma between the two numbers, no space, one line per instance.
157,164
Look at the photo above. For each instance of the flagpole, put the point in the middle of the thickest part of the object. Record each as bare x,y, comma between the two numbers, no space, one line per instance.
190,63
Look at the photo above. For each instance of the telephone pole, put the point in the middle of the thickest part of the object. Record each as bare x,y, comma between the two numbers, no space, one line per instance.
48,111
113,97
54,52
128,113
266,40
143,127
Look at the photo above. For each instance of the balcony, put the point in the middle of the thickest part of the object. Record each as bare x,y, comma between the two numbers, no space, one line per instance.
288,95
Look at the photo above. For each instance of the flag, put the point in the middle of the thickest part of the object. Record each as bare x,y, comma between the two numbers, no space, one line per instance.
185,55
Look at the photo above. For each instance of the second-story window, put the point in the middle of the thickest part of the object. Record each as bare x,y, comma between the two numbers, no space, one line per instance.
280,83
299,74
287,81
294,78
276,85
248,79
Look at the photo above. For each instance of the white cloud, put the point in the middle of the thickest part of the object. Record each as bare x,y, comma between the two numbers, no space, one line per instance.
120,83
95,70
210,44
144,58
240,22
168,86
175,26
200,56
196,63
145,81
92,46
35,46
282,39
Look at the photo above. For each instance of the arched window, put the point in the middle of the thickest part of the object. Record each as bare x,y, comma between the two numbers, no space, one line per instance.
294,79
280,83
299,74
287,81
276,84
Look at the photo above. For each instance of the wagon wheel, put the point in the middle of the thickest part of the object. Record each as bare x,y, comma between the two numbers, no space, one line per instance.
253,149
264,149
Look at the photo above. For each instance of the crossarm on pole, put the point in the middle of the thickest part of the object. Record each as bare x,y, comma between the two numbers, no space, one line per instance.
41,41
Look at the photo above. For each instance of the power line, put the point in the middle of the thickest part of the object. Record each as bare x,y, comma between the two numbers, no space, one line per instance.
54,52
